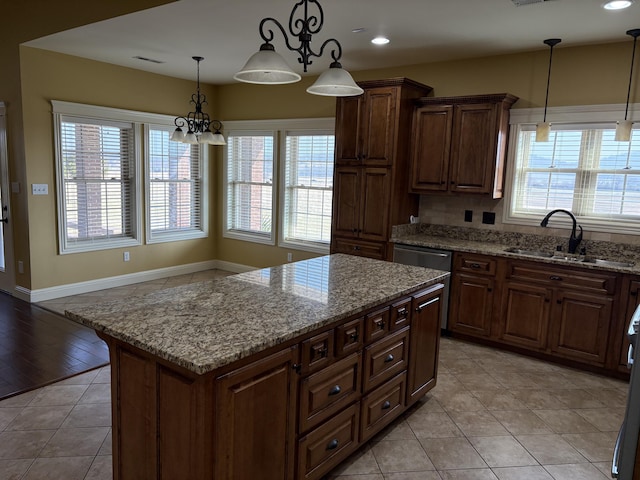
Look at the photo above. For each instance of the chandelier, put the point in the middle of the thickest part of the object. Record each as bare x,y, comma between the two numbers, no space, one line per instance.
267,67
198,123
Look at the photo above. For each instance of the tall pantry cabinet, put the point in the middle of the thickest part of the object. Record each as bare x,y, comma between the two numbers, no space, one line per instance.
371,175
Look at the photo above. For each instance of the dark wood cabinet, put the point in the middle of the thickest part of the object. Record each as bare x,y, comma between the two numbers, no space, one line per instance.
525,315
255,425
425,344
459,144
471,307
372,161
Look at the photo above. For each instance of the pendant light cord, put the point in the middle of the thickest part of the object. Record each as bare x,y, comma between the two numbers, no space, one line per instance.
552,42
634,34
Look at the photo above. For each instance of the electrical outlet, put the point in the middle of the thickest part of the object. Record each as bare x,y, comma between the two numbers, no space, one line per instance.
40,189
126,256
468,215
489,218
289,256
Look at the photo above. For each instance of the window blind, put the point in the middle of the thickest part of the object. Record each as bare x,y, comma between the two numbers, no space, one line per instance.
250,199
174,187
308,184
581,168
97,166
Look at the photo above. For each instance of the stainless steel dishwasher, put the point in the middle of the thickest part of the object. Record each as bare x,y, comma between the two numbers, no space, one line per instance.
429,258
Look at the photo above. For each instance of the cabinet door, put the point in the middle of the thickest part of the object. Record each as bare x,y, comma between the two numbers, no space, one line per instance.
525,315
348,130
424,343
431,148
472,305
346,201
374,207
581,326
256,417
378,131
473,154
633,300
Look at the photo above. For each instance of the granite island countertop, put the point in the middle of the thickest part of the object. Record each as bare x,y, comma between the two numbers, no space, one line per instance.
498,247
207,325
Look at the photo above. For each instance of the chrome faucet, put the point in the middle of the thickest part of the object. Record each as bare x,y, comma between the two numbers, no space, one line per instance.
573,240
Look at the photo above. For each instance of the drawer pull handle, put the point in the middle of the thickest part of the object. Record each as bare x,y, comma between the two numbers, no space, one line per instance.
474,265
333,444
424,305
386,405
556,278
390,358
403,312
354,337
380,324
335,390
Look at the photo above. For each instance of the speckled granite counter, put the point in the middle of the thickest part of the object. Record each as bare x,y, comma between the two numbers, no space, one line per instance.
496,243
207,325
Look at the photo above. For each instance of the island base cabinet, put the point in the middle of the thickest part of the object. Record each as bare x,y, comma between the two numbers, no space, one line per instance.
424,344
255,421
154,412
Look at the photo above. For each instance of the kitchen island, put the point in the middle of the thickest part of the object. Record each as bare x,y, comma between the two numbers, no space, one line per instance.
277,373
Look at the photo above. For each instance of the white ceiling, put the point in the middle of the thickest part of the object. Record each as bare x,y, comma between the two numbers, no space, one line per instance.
225,32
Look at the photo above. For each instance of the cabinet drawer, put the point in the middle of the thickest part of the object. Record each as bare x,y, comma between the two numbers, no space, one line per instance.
478,264
376,325
381,406
349,337
317,352
327,391
376,250
384,359
563,277
400,314
326,446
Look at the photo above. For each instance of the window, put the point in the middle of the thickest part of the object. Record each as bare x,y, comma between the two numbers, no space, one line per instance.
280,177
96,164
308,189
250,194
582,169
174,187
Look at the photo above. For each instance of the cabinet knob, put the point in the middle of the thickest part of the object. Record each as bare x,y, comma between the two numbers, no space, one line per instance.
403,312
386,405
633,293
354,337
380,324
474,265
333,444
390,358
335,390
555,278
559,302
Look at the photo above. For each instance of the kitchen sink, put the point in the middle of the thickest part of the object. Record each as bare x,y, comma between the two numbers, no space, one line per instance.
569,258
529,253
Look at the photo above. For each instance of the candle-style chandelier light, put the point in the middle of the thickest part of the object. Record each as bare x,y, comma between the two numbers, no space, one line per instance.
267,67
198,123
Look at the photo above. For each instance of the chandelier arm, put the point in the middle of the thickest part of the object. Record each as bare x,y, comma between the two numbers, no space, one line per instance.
336,57
307,24
268,38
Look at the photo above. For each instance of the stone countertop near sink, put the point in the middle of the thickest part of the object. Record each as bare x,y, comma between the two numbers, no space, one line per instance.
207,325
488,242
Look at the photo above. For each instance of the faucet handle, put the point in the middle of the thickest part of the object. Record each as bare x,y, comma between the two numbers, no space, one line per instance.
558,248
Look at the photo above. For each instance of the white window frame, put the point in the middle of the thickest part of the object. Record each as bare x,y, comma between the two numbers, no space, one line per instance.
176,235
596,115
298,244
106,115
277,128
248,236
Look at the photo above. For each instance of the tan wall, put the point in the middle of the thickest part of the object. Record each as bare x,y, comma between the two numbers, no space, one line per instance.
590,75
48,76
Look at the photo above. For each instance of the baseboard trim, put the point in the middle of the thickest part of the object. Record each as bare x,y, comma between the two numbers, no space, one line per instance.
50,293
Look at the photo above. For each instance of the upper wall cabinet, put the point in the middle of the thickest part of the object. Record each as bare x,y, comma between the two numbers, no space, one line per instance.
459,144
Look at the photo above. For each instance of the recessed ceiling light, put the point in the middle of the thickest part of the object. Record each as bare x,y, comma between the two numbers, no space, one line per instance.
617,4
380,40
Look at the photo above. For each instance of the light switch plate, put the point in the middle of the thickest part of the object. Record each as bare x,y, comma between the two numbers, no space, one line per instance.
40,189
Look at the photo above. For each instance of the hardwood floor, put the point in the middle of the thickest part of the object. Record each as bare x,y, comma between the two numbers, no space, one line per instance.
38,347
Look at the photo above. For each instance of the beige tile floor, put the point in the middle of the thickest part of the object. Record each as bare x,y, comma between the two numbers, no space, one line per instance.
492,416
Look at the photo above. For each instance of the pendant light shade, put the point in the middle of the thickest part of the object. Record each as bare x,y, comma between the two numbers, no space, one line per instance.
335,82
623,128
544,128
266,66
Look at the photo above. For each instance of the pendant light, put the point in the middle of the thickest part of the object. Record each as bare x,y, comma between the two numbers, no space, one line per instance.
266,67
623,128
543,129
198,123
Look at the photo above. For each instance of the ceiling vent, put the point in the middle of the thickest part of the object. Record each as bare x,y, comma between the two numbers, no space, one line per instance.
146,59
520,3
